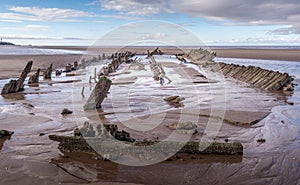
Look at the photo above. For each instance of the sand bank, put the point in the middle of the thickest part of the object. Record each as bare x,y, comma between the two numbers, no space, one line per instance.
251,53
267,54
12,66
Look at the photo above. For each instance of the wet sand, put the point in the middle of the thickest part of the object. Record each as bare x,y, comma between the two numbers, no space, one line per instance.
225,52
30,158
267,54
12,66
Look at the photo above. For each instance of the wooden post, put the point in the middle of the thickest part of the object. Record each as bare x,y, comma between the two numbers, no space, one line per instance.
17,85
48,72
98,94
34,78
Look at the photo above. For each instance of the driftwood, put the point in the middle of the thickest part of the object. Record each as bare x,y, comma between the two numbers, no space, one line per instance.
200,55
157,51
75,65
17,85
92,144
181,58
82,91
34,78
174,101
102,131
68,68
255,76
4,133
98,94
48,72
123,56
66,111
58,72
117,60
158,71
105,139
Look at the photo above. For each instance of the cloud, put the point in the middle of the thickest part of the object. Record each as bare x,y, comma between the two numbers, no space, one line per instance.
137,7
28,28
124,17
226,12
269,40
30,37
36,27
43,14
101,22
154,36
188,24
247,12
240,10
7,20
283,31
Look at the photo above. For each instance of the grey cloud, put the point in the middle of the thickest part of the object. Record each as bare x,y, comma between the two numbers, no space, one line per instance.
241,10
238,12
284,31
248,12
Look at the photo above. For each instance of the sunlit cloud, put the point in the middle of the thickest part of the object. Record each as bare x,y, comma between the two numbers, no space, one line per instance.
13,21
43,14
137,7
123,17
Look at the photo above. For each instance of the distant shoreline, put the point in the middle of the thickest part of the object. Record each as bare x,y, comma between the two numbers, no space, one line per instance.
12,65
263,52
284,53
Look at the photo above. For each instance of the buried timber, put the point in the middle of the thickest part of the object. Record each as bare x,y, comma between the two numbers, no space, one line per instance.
163,105
131,108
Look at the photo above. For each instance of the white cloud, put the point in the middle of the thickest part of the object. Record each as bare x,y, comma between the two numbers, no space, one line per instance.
154,36
30,37
43,14
7,20
19,17
124,17
137,7
283,31
28,28
269,40
101,22
36,27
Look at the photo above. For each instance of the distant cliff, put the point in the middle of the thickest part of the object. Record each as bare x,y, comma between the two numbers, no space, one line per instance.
6,44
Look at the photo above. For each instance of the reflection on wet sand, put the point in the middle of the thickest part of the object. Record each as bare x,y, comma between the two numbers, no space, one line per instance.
91,168
14,96
2,141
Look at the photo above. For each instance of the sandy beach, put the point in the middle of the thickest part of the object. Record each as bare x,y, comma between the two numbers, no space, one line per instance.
226,52
177,92
266,54
34,114
11,66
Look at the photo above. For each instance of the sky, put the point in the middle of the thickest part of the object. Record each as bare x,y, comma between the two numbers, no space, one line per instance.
214,22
